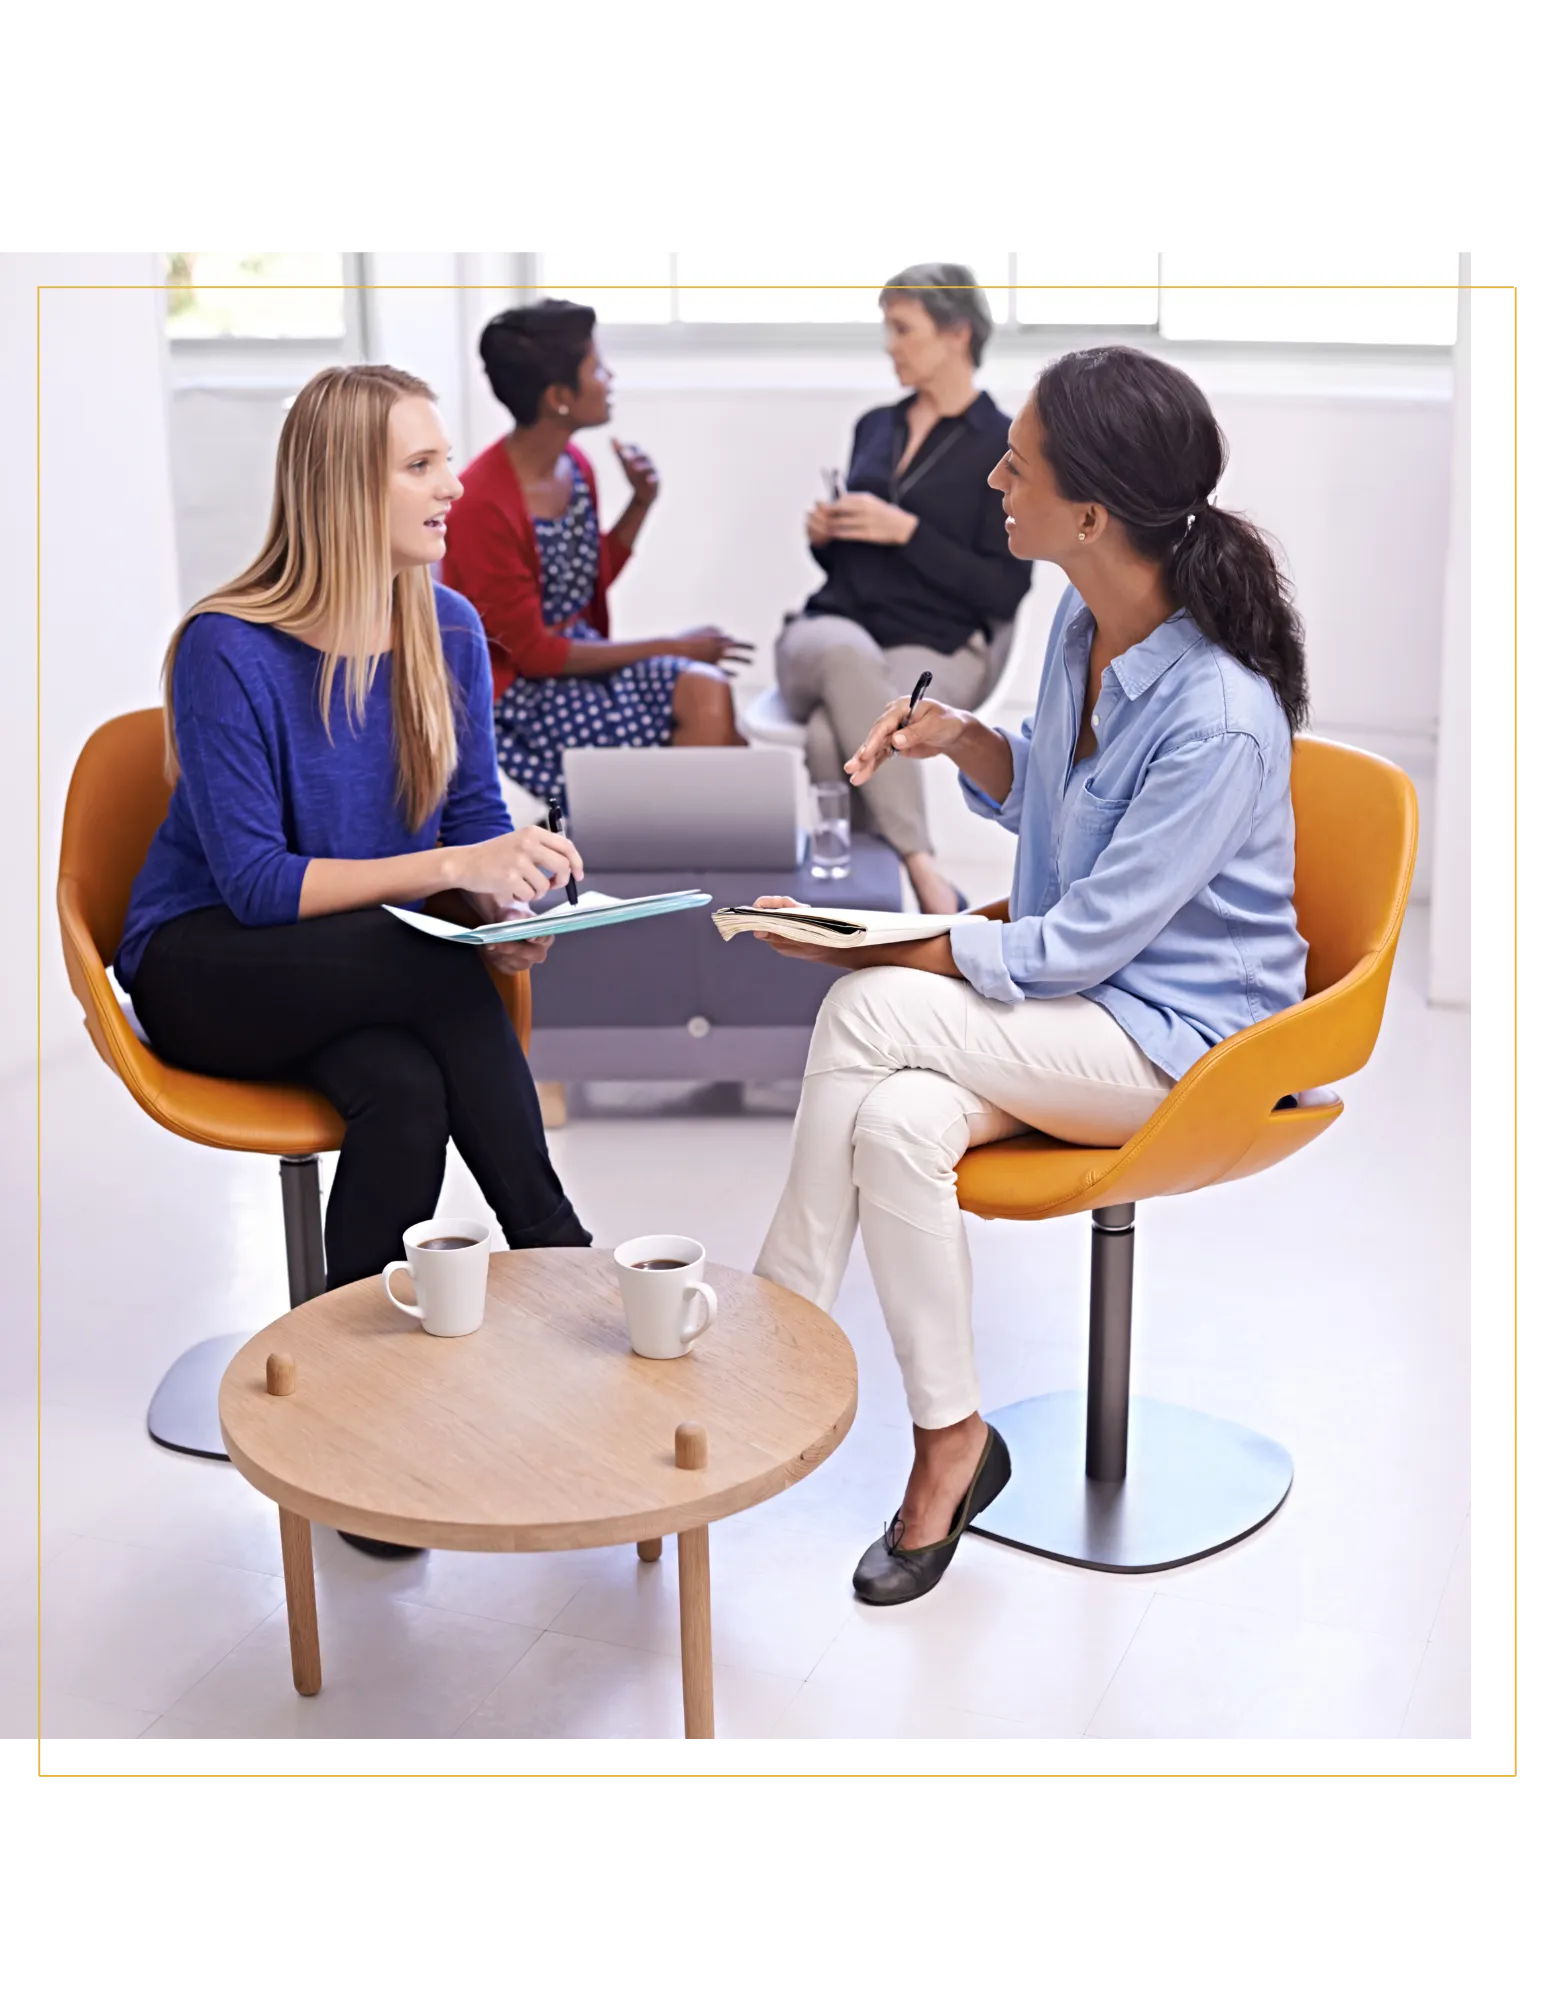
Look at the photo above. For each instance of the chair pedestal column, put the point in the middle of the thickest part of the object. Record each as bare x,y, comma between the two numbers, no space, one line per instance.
1110,1481
184,1412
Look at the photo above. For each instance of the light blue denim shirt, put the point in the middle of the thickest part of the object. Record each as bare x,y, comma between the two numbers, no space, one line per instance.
1155,877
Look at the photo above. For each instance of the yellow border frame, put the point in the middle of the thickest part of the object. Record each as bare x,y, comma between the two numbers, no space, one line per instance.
1527,1099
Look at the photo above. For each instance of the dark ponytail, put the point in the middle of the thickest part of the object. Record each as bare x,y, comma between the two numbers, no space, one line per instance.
1127,430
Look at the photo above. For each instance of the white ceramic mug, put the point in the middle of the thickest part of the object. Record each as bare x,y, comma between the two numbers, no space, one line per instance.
450,1280
661,1304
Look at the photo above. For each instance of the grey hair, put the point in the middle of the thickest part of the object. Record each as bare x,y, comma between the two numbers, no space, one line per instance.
950,296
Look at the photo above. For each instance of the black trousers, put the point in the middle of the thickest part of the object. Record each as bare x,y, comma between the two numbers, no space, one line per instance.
405,1035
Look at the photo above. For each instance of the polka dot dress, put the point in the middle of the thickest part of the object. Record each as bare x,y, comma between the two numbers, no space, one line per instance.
535,721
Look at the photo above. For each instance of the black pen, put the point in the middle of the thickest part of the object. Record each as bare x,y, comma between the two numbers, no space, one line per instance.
924,682
555,825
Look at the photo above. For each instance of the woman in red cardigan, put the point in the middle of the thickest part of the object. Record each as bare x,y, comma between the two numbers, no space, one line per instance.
525,544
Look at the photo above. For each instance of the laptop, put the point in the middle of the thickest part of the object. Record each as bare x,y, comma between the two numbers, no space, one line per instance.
695,808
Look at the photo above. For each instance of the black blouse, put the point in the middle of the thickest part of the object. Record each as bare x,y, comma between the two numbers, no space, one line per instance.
956,575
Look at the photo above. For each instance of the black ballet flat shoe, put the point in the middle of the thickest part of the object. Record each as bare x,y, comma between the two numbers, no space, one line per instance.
889,1574
367,1545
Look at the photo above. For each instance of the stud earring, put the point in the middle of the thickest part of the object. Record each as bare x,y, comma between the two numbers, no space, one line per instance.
563,409
1080,534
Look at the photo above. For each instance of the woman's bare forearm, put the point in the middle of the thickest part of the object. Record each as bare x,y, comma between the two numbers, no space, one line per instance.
630,520
604,656
330,886
985,757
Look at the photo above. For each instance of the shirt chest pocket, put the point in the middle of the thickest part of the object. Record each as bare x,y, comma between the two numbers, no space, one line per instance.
1087,826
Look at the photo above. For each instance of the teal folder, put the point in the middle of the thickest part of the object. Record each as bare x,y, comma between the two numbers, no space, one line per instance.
591,912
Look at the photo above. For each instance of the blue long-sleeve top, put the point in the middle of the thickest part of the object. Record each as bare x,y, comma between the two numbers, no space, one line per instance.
1156,876
263,791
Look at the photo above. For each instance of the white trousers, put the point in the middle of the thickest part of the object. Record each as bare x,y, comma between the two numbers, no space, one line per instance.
906,1071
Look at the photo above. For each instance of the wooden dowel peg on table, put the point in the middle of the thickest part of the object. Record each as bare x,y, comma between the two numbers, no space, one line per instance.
691,1447
281,1375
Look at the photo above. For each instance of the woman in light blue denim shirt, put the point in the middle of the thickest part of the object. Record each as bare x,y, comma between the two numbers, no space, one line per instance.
1151,913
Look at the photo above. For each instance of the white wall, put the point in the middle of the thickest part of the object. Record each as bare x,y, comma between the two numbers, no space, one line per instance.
18,704
1471,943
109,591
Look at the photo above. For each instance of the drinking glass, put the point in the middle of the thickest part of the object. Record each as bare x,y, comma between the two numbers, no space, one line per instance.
831,833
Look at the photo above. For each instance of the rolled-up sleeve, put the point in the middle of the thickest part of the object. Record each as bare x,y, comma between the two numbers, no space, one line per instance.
231,786
1190,815
983,804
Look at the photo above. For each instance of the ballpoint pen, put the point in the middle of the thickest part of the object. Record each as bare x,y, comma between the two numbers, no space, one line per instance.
555,825
924,682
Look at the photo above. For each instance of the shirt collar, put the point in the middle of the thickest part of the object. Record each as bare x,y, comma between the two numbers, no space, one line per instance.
1136,670
978,416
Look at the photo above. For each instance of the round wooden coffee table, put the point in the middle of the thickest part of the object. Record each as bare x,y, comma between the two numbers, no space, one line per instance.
542,1430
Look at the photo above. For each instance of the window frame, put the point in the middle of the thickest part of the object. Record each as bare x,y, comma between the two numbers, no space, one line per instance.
261,359
678,336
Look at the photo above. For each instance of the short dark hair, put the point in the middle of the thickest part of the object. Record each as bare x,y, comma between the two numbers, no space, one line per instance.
529,348
949,294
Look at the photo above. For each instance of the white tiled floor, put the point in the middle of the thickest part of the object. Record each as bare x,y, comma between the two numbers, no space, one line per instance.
1325,1303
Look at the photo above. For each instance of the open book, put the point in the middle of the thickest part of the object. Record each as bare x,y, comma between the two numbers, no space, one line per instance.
846,929
591,912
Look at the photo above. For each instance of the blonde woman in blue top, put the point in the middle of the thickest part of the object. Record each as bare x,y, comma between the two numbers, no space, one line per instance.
1151,912
329,725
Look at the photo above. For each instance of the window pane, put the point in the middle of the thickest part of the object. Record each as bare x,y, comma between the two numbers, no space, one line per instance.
625,287
255,295
1358,309
1110,289
812,287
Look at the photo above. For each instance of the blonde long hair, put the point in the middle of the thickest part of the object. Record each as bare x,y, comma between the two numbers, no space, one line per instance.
326,561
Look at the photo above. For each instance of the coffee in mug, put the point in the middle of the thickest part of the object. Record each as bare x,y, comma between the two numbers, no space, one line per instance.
667,1304
449,1265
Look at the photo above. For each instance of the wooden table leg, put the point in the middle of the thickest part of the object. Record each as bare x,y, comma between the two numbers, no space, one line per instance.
300,1598
651,1551
696,1631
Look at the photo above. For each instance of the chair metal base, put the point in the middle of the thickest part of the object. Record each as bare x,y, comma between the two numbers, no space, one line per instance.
1194,1484
184,1412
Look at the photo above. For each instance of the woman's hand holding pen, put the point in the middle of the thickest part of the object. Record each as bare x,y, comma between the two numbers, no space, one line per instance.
515,866
932,731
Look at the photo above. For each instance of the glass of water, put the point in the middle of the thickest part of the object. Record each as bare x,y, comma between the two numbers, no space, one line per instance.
831,833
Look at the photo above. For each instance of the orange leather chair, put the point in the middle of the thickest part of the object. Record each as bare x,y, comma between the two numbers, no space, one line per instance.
1161,1485
118,797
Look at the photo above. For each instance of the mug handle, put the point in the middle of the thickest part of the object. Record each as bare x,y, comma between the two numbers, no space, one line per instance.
413,1312
709,1299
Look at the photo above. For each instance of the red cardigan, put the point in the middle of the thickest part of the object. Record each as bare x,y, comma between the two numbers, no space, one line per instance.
491,556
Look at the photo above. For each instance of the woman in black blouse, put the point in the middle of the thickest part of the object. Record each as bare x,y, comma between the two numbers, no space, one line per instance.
917,568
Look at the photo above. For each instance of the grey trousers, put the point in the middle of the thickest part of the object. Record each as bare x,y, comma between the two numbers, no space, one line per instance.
835,680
